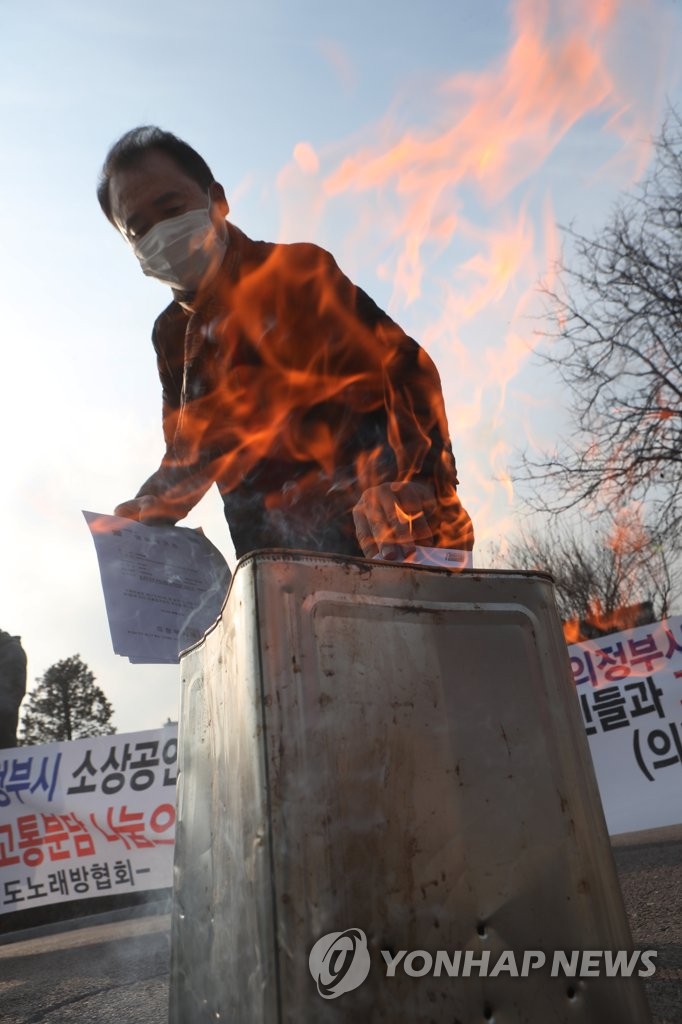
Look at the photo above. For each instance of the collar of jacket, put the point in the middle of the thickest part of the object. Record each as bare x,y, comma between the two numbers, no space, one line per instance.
239,251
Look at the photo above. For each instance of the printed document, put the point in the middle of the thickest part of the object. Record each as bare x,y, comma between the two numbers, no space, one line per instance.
164,586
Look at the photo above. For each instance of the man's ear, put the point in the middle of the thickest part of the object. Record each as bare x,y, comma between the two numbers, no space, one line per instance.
217,194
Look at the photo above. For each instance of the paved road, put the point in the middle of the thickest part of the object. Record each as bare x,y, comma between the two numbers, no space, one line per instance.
650,872
117,972
113,973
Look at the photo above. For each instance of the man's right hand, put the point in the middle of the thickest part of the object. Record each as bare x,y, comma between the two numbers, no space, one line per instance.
147,509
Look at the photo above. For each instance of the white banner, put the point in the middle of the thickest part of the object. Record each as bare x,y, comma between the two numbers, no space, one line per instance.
629,687
93,817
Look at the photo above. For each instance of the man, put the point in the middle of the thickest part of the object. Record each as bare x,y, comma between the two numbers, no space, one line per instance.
12,687
322,423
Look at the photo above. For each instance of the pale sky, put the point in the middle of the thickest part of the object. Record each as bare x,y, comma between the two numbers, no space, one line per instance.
431,147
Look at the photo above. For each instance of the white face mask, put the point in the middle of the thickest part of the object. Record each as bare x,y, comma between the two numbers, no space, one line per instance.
183,251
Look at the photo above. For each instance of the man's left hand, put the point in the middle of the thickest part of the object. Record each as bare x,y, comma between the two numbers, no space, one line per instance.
391,519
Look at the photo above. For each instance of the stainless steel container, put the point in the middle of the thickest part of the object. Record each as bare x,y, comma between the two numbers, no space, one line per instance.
398,750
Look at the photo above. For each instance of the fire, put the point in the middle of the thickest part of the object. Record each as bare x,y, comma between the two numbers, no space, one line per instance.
629,542
599,622
296,395
418,531
434,188
306,158
500,126
274,416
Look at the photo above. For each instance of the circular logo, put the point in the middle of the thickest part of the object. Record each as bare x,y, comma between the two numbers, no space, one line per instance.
339,962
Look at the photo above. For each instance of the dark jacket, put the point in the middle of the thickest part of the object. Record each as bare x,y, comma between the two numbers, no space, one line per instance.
294,392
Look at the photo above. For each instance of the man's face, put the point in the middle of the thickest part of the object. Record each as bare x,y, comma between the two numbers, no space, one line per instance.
155,189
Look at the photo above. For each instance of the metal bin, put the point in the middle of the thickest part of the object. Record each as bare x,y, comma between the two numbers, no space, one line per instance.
399,750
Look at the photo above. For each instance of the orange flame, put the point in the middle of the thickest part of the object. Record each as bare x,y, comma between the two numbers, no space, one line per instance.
293,377
486,136
630,543
599,622
501,126
272,393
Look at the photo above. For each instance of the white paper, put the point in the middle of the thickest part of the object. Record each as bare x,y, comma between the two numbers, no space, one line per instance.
163,586
442,558
438,558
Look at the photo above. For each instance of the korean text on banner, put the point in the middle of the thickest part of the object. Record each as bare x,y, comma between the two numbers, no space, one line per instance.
93,817
629,686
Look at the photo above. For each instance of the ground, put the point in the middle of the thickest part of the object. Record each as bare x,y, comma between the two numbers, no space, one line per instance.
114,968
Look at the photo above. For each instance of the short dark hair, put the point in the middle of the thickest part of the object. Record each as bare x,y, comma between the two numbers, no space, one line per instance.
134,145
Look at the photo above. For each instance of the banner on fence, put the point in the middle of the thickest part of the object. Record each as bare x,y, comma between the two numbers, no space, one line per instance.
93,817
629,687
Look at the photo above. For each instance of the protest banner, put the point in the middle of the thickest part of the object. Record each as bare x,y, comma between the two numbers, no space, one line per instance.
629,687
91,817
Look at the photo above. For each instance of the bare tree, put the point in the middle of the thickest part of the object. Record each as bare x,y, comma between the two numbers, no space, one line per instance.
617,317
66,705
613,577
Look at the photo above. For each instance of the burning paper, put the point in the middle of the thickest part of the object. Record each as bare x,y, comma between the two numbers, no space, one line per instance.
163,586
441,558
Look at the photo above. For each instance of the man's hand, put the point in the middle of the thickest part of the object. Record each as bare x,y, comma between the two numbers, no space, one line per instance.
392,518
145,509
